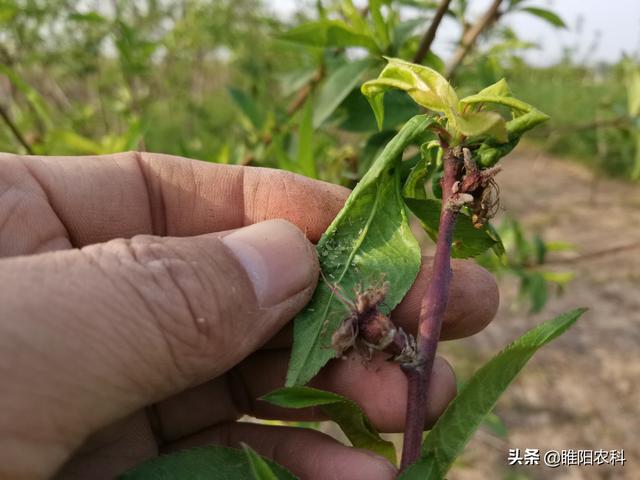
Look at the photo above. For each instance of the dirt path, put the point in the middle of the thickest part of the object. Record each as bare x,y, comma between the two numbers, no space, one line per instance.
583,391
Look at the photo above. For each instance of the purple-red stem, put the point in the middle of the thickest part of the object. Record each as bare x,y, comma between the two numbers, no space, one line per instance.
431,314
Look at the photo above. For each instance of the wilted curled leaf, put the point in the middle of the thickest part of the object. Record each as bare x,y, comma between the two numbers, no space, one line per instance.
424,85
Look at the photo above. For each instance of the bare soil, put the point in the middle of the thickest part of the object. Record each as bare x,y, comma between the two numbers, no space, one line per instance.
583,390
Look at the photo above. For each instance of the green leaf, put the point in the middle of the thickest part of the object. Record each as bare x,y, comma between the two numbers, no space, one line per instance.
34,98
89,17
494,424
534,285
247,107
71,143
372,149
354,17
406,30
547,15
482,123
514,104
635,173
468,241
347,414
204,463
525,116
632,81
559,278
134,51
498,89
559,246
259,467
523,123
355,112
498,247
539,249
329,33
490,152
223,155
420,173
131,138
477,398
290,82
337,87
424,85
379,24
369,238
305,162
8,12
434,61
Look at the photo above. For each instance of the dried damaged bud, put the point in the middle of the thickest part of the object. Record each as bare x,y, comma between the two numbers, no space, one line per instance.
406,348
367,328
478,190
377,329
365,323
371,297
485,204
344,338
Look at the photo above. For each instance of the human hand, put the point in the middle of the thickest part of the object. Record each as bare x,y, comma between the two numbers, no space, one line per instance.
128,328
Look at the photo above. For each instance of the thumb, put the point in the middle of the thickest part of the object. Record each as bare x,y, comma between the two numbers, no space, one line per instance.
88,336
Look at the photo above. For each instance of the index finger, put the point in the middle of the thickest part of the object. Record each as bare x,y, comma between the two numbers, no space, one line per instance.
98,198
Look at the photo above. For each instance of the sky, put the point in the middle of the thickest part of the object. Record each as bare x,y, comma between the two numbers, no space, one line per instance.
615,24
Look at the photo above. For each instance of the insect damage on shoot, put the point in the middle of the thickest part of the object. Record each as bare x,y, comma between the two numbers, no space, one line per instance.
477,190
367,328
485,204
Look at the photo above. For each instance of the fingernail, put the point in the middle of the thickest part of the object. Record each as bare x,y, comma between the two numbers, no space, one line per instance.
277,257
